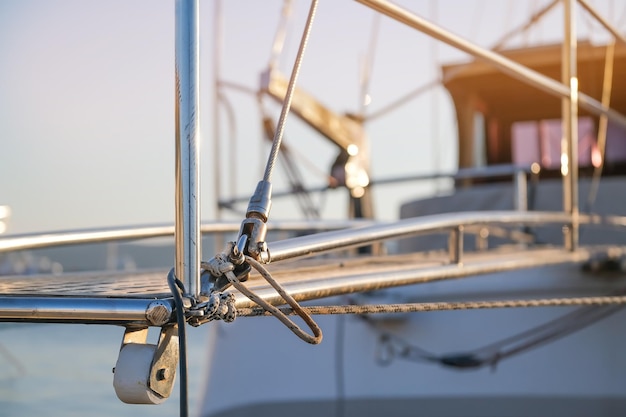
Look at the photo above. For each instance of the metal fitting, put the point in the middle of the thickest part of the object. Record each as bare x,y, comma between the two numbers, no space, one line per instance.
261,201
255,229
159,312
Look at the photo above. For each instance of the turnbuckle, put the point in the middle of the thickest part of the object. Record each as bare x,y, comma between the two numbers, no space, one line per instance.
254,226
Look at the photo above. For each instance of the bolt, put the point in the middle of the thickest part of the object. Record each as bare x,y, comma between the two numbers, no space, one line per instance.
162,374
158,312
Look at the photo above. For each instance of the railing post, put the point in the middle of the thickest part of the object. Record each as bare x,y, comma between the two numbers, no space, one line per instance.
455,245
521,190
187,226
569,139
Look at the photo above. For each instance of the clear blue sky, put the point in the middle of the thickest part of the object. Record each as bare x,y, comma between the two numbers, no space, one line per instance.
87,99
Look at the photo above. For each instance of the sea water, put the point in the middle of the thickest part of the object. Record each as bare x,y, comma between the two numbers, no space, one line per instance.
66,370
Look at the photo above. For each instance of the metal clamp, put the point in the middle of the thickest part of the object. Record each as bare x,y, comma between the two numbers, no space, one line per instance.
213,278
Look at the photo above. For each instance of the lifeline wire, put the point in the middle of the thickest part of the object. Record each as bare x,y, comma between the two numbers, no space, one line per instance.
441,306
289,95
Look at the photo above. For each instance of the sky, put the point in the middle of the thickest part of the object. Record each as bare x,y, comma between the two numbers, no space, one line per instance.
87,101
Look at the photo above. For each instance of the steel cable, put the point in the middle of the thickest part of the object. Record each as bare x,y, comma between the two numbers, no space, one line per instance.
289,95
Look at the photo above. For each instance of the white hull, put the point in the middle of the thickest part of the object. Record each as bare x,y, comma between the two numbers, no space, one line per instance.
257,367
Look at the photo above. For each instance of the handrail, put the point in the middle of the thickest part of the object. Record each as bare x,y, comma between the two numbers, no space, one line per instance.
75,237
343,239
338,234
135,309
413,273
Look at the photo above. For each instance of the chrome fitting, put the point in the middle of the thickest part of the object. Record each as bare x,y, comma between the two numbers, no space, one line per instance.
159,312
261,201
255,229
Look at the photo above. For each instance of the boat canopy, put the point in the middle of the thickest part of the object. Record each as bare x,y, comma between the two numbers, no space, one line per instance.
502,120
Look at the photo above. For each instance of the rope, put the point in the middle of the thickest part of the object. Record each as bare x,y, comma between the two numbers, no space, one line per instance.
560,326
598,313
392,346
269,309
439,306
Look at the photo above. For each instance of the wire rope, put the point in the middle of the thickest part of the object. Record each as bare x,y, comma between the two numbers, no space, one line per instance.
289,95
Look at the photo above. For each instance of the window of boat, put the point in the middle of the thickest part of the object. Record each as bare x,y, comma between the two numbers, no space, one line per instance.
540,142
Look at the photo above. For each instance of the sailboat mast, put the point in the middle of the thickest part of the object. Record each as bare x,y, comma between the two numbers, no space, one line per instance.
187,225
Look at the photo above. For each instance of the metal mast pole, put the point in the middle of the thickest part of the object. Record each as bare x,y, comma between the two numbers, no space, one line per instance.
569,138
187,226
217,78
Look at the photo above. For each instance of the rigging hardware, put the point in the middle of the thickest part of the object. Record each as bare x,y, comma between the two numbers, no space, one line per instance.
145,373
254,226
219,305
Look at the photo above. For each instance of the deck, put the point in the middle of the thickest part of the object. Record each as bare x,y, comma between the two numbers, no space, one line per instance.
125,298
